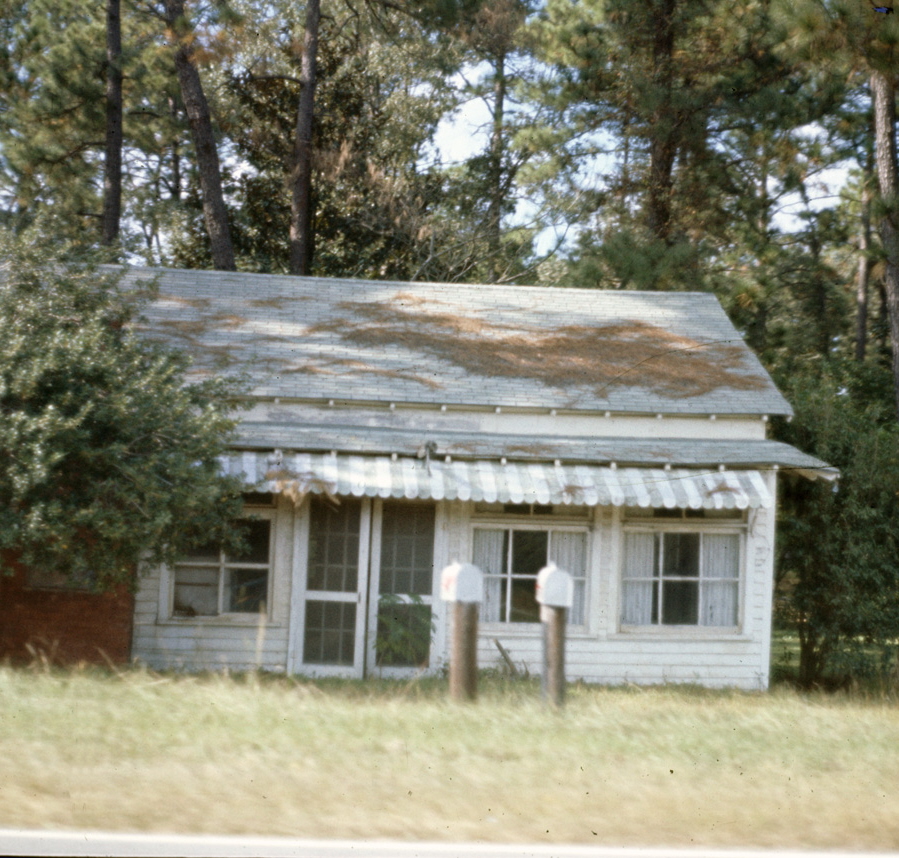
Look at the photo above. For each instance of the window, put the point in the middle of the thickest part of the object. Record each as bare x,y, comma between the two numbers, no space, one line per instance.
510,560
407,548
680,579
334,545
209,583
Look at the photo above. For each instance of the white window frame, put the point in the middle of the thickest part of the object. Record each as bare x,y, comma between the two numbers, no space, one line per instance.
663,526
224,564
546,525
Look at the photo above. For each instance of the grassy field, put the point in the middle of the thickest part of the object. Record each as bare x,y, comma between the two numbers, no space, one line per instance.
623,766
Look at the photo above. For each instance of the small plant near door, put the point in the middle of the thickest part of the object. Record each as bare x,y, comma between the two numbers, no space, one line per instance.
405,629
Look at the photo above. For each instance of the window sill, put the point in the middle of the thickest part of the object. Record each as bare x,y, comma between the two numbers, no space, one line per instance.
250,621
665,633
526,630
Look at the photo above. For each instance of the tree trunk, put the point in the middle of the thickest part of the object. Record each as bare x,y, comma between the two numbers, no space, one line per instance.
198,117
112,170
663,130
175,184
301,176
883,89
811,659
496,189
863,273
819,287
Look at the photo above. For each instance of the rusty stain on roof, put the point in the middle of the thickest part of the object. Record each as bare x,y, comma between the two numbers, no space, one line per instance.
333,366
635,352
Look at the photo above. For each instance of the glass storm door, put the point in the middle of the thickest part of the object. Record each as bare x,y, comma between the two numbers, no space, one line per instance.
401,587
333,637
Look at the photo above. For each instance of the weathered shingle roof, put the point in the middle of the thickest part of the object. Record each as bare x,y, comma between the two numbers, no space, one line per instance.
452,344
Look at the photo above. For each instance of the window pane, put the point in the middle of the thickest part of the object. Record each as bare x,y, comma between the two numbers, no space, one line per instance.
680,603
709,596
256,536
488,554
681,555
720,603
529,556
569,552
330,633
407,548
529,551
639,603
404,635
334,545
639,555
196,591
511,560
524,607
246,590
721,555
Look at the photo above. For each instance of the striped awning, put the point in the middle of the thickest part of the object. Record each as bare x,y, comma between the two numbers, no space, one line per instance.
501,481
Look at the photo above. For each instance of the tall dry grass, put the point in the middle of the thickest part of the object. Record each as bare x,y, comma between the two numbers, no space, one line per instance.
622,766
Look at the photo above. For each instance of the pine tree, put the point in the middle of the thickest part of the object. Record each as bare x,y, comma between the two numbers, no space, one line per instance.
53,111
378,207
112,165
859,35
181,35
688,109
54,122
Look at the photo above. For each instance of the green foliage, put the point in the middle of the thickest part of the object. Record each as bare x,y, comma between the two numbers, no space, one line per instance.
631,259
108,456
54,88
681,158
52,119
381,90
838,545
405,629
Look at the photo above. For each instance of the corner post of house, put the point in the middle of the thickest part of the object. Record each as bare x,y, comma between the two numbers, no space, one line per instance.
555,594
463,585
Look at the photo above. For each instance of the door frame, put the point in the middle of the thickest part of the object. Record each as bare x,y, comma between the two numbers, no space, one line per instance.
367,596
374,592
299,597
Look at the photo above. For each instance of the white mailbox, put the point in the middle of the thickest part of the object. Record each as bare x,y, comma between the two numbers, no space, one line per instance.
555,588
462,582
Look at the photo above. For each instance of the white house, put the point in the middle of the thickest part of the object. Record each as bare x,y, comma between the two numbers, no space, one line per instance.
398,427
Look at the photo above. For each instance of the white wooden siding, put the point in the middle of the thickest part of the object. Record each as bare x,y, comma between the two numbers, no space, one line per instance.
715,663
703,656
599,653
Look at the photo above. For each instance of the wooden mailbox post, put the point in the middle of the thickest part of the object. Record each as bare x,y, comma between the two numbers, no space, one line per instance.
463,585
555,594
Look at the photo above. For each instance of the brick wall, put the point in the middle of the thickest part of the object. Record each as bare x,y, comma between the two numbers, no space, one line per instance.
66,626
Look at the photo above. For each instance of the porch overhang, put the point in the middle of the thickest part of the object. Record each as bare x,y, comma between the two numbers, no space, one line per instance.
501,481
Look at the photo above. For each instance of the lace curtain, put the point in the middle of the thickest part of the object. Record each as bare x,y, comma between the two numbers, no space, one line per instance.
569,552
